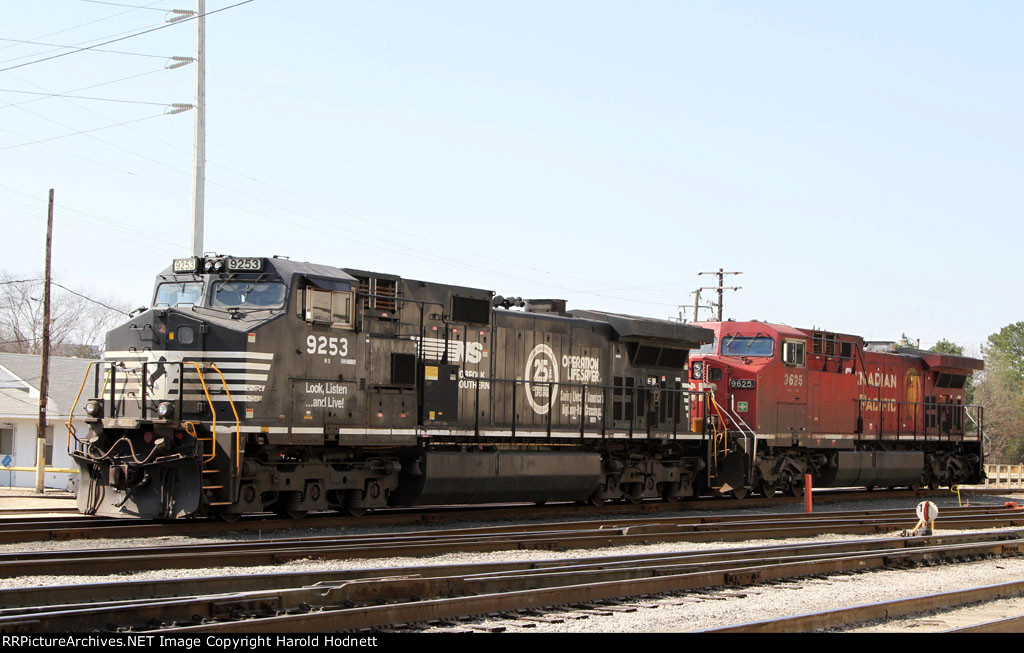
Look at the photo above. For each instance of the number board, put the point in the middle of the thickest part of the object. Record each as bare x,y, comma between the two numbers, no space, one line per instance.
245,265
186,264
744,384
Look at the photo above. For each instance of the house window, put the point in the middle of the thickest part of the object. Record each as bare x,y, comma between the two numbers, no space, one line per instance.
6,441
49,446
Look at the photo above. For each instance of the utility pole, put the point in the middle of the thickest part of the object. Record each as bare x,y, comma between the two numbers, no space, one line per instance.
696,305
44,382
721,277
199,145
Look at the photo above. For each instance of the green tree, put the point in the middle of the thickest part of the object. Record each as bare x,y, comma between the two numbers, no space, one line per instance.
1000,391
946,347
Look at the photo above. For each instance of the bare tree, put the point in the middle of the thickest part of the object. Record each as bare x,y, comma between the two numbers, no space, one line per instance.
78,320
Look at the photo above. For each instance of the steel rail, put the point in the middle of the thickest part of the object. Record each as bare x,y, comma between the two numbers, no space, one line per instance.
375,616
504,586
129,590
76,526
1007,625
560,536
40,529
886,610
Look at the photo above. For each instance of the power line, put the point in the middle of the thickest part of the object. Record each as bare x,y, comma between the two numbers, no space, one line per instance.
75,47
94,41
117,4
85,131
82,97
124,38
116,310
91,22
66,94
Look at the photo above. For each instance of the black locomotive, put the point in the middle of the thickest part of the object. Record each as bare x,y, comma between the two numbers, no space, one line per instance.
264,384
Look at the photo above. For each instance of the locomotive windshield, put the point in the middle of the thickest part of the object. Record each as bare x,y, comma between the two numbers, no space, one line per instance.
247,294
179,294
747,346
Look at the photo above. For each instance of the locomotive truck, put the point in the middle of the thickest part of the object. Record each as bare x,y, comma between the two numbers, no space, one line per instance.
256,384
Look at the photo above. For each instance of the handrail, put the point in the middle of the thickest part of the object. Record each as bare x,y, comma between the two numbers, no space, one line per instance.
926,405
582,402
238,427
725,430
213,412
71,427
742,424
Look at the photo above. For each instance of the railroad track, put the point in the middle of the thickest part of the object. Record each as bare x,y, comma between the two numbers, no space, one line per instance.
517,591
845,618
18,526
551,536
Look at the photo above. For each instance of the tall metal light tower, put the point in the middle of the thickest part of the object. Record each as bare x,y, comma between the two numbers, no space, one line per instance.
199,145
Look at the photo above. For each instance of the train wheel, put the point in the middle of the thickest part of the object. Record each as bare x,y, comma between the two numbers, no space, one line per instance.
295,514
229,516
595,501
768,489
795,489
739,493
355,512
670,492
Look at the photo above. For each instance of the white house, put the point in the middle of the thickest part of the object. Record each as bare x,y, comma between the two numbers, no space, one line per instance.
19,416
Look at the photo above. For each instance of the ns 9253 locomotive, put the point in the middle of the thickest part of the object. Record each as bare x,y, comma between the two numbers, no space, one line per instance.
262,384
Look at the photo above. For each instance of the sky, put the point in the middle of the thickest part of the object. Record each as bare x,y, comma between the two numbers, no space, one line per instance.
859,163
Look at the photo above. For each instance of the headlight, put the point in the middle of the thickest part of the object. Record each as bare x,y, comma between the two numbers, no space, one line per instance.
165,409
208,266
94,408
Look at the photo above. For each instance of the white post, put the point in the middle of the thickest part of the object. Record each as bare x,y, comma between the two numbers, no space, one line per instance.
199,146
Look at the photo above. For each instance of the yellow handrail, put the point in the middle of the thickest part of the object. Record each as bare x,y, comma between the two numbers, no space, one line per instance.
213,412
725,431
238,425
71,428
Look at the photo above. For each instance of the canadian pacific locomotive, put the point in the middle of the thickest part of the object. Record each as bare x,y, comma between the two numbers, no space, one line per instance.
263,384
850,413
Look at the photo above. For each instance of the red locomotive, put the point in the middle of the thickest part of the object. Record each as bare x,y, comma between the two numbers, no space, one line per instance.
851,413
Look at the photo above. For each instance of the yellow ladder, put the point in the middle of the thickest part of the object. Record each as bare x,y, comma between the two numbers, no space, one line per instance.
190,428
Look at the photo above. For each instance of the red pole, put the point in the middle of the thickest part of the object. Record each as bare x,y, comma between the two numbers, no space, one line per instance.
808,503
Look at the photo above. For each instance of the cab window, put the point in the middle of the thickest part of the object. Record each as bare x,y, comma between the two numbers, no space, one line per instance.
179,294
332,307
247,294
793,352
747,346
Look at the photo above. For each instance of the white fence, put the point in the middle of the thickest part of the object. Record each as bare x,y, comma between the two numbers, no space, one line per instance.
1004,476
